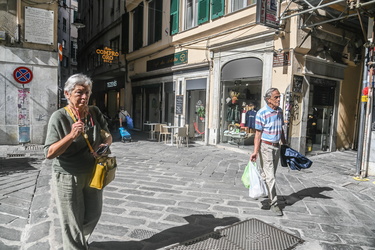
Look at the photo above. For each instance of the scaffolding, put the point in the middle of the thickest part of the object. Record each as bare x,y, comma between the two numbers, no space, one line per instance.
358,17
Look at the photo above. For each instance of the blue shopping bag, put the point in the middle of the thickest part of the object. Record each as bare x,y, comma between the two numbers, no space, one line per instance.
129,122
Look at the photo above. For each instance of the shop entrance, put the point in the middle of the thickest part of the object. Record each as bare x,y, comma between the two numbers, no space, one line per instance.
241,88
146,105
196,112
112,103
320,118
196,107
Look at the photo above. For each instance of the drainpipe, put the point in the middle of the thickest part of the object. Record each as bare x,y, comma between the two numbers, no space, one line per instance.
362,118
19,18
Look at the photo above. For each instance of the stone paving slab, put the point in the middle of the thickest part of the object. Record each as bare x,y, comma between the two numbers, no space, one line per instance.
163,195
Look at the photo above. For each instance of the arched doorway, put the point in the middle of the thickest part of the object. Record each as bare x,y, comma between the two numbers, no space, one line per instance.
241,88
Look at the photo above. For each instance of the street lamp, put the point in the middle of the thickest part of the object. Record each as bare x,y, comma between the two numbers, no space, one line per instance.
78,23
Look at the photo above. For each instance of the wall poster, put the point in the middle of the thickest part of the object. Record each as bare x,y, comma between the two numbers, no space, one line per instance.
23,114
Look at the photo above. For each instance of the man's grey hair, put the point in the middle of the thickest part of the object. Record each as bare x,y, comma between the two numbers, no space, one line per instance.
268,94
77,79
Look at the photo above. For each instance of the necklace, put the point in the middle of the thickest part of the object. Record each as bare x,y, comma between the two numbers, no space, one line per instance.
89,123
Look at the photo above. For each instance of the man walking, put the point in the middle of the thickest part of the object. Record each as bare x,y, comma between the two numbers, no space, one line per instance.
122,114
269,123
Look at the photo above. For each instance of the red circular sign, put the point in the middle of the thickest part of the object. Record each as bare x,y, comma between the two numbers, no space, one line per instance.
23,75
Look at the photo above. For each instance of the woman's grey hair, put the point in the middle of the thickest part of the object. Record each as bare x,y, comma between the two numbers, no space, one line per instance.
77,79
269,93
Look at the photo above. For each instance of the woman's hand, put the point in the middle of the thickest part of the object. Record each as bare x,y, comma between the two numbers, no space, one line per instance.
59,147
77,129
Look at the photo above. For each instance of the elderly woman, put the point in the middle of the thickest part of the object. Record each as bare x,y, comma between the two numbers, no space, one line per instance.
78,205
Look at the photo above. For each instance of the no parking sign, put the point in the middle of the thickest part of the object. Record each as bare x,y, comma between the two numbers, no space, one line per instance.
23,75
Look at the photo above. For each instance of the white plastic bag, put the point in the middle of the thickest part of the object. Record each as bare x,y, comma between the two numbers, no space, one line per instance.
258,187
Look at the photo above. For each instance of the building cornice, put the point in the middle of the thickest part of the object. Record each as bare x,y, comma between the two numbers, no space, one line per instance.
250,39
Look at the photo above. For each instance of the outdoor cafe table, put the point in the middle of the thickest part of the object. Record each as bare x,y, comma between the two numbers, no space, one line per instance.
152,129
173,132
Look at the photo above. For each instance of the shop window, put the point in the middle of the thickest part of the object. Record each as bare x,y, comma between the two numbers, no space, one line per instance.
138,27
241,98
155,10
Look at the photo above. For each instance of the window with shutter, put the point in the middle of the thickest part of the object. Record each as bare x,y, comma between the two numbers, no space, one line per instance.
174,16
203,11
155,9
191,13
217,8
240,4
138,27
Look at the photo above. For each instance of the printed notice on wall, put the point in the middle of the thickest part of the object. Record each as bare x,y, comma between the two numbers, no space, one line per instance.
23,115
39,25
23,107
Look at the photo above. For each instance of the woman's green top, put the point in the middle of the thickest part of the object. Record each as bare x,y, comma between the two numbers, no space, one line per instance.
77,159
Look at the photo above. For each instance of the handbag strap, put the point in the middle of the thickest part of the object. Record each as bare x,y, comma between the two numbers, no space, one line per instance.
83,134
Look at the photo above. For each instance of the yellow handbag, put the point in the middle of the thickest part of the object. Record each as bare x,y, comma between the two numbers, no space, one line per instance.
104,172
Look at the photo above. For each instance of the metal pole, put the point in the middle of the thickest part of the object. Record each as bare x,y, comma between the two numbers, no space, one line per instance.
367,135
362,118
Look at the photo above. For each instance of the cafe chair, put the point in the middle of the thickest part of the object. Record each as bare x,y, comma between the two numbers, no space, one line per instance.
182,135
164,133
156,131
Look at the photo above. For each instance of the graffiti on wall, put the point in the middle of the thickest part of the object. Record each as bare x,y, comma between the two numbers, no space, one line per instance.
23,114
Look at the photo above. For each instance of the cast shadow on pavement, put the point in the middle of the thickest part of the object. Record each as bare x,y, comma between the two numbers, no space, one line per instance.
10,166
313,192
199,225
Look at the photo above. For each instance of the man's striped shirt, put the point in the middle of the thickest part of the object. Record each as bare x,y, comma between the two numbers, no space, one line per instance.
270,122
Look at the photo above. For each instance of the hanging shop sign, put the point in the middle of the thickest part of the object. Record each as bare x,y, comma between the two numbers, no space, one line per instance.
23,75
267,13
108,55
112,84
168,61
297,83
281,59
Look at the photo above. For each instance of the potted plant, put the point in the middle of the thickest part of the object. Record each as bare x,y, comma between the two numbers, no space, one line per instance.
201,113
